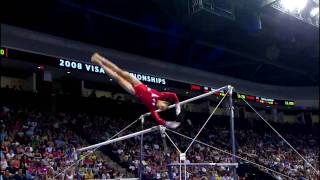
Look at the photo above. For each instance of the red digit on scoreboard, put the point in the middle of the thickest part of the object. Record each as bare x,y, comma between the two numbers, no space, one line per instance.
195,87
250,98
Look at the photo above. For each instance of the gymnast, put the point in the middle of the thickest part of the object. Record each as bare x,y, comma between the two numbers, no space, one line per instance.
150,97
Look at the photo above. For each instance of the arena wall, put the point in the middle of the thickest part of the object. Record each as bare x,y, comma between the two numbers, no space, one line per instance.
31,41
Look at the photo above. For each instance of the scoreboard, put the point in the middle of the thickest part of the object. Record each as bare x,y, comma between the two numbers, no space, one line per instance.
257,99
4,52
88,67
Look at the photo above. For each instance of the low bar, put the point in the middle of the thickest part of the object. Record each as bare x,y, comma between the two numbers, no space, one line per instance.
205,164
120,138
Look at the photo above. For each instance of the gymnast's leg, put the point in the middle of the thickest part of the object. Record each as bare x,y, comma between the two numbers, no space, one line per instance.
125,84
98,59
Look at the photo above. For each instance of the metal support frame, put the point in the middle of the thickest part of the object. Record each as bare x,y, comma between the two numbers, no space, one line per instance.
166,153
233,165
191,99
206,164
141,149
232,131
162,131
120,138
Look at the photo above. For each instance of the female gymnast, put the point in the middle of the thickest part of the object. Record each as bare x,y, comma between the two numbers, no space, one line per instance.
150,97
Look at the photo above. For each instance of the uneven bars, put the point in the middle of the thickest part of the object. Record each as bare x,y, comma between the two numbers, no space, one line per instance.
120,138
204,164
191,99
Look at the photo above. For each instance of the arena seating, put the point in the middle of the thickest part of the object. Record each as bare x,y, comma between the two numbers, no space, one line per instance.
38,143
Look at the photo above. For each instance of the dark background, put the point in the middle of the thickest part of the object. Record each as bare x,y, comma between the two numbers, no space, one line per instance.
273,49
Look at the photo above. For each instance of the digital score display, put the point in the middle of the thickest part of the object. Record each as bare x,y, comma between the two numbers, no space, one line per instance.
197,88
246,97
257,99
289,103
220,93
4,52
264,100
86,67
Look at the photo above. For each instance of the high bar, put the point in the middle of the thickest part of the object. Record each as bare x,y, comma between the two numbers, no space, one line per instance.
121,138
204,164
192,99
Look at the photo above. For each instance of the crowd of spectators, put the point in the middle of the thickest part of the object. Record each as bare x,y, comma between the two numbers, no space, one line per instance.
155,166
36,144
268,149
265,148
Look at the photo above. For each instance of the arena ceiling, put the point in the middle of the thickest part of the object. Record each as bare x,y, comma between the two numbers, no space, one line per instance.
282,51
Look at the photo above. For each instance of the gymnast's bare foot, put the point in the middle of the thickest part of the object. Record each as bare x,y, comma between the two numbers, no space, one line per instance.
95,58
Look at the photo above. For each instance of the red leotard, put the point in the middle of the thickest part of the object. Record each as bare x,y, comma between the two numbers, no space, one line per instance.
150,96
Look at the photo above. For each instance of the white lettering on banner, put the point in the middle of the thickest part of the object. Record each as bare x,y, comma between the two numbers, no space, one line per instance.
144,78
61,62
73,65
70,64
88,67
149,78
67,63
99,70
95,69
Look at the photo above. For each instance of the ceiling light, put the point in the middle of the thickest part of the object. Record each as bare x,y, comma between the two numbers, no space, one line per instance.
293,5
314,12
